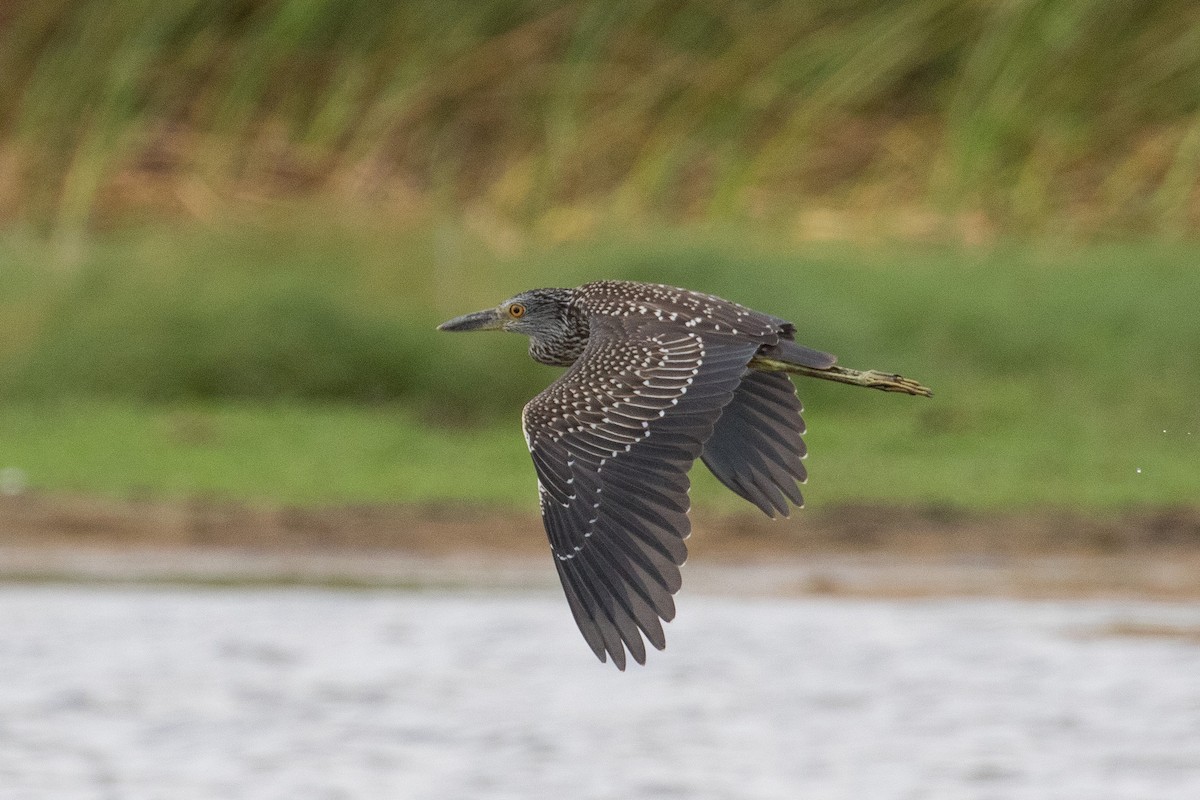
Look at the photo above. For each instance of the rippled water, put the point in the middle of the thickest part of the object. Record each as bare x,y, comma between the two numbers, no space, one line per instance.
153,693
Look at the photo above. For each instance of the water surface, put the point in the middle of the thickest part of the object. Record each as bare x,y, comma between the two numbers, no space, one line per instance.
300,693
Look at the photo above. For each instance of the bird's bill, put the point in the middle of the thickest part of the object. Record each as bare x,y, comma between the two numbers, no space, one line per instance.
488,320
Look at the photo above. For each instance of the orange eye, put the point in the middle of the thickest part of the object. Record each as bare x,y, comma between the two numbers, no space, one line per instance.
516,311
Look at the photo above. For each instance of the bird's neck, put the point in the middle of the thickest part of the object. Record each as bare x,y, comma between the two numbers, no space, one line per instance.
566,344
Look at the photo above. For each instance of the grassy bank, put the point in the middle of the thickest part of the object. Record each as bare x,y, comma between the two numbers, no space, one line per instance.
882,451
946,118
298,362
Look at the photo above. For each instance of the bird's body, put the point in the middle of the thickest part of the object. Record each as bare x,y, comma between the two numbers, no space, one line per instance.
657,377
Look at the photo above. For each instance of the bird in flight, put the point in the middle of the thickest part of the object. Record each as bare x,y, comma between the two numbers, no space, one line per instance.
657,377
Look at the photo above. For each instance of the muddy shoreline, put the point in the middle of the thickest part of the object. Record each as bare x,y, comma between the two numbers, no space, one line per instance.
849,550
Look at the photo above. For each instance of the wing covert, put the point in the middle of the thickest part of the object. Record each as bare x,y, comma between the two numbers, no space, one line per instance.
612,441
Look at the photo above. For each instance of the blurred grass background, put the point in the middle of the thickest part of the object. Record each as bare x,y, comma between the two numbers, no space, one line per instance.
227,230
959,116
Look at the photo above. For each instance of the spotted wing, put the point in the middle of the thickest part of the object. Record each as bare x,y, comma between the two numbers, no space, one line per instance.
612,441
756,446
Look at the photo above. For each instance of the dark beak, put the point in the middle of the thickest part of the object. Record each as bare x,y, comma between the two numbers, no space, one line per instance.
489,320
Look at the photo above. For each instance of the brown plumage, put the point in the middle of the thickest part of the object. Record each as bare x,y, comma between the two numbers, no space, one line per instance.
658,377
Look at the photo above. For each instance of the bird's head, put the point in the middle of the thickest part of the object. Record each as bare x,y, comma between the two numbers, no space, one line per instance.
538,312
544,315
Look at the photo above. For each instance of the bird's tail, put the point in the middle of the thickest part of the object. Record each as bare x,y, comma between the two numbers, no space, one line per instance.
884,381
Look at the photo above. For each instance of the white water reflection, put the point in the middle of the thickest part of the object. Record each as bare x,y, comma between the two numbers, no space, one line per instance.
301,693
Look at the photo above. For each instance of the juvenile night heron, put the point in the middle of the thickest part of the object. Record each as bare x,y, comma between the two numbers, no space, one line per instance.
658,377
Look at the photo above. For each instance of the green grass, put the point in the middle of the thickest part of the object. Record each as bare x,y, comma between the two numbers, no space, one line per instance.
889,449
294,454
1042,115
304,311
286,351
299,363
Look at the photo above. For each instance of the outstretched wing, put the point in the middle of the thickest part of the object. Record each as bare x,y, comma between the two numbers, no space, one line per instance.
612,441
756,447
